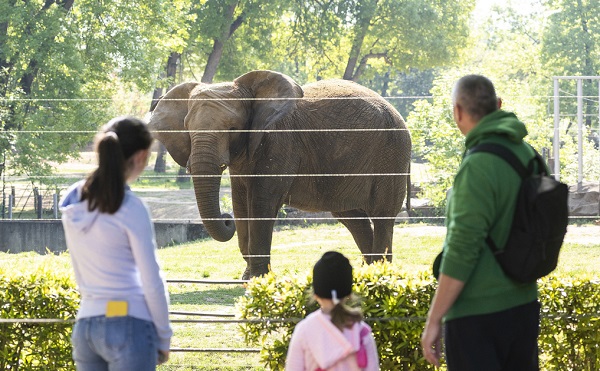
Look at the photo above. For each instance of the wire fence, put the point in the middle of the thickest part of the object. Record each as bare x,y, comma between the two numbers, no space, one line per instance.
228,318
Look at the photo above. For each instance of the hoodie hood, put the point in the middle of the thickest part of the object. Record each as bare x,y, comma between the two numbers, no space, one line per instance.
497,123
75,212
327,343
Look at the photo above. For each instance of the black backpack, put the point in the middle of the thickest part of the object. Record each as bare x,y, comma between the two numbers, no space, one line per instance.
540,220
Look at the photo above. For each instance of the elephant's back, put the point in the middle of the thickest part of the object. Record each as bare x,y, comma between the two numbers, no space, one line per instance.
352,100
337,88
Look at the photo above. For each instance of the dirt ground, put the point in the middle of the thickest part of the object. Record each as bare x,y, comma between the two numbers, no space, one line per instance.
171,204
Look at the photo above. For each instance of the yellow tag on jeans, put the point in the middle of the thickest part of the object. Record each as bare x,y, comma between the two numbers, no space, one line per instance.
116,309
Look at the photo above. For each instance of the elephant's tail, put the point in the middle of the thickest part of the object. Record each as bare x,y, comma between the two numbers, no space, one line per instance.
408,191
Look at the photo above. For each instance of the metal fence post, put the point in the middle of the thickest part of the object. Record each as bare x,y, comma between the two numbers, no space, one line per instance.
11,201
55,204
40,208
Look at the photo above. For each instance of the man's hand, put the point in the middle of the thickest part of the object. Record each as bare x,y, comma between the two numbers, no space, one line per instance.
432,343
445,295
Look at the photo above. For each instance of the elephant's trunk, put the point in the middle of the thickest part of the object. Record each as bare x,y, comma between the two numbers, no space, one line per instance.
207,182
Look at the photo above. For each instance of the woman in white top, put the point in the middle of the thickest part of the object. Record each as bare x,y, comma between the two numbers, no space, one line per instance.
123,320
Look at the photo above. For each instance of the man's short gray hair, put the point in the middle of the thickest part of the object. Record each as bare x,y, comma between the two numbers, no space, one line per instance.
476,95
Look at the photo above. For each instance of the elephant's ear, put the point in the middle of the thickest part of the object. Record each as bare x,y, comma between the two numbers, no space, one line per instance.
265,112
167,120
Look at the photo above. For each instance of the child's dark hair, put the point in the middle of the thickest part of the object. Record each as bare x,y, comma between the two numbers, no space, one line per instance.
332,279
118,140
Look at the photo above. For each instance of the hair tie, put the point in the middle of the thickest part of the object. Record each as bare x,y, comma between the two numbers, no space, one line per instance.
334,297
111,134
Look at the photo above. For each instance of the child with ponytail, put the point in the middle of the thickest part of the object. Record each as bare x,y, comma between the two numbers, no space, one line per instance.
334,337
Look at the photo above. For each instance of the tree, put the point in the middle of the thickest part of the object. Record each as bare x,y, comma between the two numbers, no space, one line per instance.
37,58
571,47
358,34
61,63
228,37
506,48
571,44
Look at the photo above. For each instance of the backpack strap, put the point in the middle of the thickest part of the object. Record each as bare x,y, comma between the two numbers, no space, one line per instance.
504,153
508,156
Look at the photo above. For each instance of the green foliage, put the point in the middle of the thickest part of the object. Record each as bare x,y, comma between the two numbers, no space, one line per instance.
30,346
61,63
569,150
437,141
570,326
519,81
395,304
384,292
571,37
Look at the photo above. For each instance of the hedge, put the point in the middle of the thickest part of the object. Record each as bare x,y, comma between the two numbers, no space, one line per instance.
395,304
30,346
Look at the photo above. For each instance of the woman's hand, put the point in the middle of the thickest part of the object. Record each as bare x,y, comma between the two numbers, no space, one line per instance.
163,356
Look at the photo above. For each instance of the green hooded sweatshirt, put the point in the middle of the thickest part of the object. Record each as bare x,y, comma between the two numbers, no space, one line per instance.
482,202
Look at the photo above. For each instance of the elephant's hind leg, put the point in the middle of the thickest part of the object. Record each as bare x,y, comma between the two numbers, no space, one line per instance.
359,226
383,234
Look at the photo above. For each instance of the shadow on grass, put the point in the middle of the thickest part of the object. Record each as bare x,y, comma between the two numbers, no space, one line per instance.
220,296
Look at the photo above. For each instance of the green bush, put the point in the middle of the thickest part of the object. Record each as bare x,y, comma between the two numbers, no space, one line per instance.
570,326
395,304
400,300
32,346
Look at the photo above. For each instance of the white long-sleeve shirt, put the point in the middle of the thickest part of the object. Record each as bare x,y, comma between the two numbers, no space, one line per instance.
114,259
318,344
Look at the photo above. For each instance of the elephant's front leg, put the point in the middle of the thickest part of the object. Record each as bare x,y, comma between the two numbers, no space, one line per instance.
265,201
259,244
239,199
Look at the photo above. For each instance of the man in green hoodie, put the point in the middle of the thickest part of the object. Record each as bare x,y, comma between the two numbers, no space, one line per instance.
490,321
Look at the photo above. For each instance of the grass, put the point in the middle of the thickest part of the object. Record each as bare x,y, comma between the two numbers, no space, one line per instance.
294,251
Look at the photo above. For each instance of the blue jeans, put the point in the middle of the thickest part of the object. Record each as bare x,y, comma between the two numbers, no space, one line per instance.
115,344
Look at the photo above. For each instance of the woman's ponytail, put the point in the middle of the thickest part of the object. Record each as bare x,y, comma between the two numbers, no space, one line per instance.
115,144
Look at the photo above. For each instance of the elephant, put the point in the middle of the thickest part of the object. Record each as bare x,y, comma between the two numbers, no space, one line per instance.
331,145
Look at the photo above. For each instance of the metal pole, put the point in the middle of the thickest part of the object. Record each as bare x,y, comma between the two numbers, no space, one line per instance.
55,205
11,201
39,205
579,133
556,144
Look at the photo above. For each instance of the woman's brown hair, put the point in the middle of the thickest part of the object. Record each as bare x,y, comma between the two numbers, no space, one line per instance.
118,140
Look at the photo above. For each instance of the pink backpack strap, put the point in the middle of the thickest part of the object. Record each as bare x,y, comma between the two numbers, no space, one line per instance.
361,355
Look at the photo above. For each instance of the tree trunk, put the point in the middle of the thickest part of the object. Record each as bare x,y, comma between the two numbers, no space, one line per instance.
4,63
386,84
160,166
212,64
588,65
172,64
366,13
26,81
182,176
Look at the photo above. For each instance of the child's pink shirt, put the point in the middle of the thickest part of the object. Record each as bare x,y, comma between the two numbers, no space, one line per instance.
318,344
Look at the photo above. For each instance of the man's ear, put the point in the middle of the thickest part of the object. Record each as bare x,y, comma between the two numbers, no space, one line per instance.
457,112
499,102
